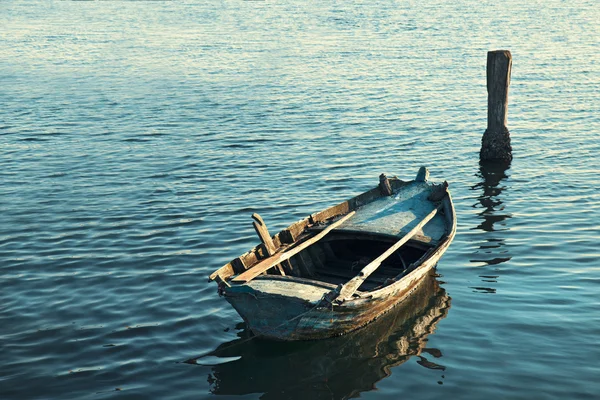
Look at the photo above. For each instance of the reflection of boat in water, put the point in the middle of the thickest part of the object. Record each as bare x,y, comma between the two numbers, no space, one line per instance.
339,367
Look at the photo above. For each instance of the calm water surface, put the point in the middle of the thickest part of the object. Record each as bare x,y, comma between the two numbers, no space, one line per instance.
137,139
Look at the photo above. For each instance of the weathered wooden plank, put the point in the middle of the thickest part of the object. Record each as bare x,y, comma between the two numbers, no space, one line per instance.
495,144
263,233
342,208
291,233
365,198
356,201
224,272
278,258
418,240
238,265
250,258
346,291
285,239
438,192
286,236
396,183
384,185
422,175
499,65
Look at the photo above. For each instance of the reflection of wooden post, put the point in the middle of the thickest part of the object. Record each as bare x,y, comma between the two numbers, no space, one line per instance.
495,144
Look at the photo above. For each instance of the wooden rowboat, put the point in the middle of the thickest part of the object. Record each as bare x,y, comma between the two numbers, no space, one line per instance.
339,269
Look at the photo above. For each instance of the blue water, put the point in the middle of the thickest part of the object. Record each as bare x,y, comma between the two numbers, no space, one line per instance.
137,139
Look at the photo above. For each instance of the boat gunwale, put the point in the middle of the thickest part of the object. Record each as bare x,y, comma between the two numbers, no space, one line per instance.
280,239
313,222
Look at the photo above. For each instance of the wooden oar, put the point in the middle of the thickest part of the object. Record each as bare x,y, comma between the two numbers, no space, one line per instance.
267,263
344,292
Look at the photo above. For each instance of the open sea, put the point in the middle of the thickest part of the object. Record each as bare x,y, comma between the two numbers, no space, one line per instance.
137,138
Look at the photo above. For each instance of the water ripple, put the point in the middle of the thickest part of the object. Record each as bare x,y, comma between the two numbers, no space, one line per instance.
137,139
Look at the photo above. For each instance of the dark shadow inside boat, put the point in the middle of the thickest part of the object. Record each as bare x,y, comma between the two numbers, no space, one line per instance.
340,367
341,255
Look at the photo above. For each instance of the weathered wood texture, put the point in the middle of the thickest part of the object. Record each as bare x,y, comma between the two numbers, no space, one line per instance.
285,312
384,185
263,233
268,246
422,175
499,64
282,241
438,192
319,323
267,263
495,144
347,290
289,236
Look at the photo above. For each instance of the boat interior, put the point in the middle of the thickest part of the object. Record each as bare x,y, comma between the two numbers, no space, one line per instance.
341,255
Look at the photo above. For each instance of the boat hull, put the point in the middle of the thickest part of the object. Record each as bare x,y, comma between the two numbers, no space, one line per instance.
292,318
303,299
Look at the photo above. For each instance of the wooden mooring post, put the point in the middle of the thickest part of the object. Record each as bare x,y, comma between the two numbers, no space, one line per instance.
495,144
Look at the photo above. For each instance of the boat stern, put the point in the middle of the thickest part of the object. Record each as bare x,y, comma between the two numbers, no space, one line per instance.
273,306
